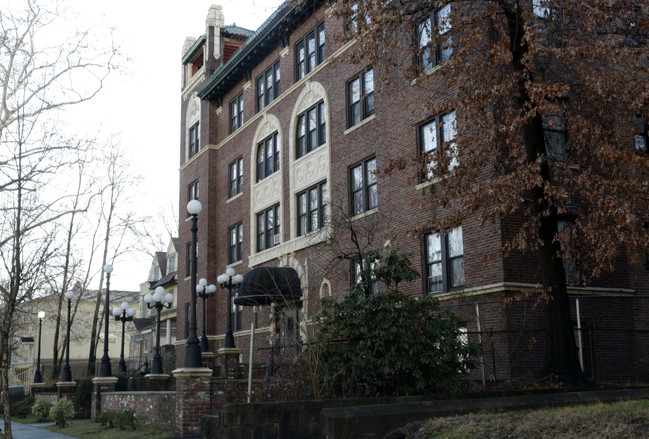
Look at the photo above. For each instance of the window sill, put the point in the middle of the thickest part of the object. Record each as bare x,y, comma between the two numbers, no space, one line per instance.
428,183
427,73
359,124
364,214
239,195
290,246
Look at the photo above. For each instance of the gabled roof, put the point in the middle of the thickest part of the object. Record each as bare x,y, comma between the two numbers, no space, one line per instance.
271,33
169,279
162,262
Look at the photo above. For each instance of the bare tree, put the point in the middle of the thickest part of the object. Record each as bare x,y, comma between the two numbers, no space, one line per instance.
36,79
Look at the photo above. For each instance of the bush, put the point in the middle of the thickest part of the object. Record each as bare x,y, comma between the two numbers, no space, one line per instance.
390,343
83,397
22,408
62,412
120,419
41,409
122,382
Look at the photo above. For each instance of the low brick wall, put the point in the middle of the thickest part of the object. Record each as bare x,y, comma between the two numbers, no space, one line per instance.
277,420
151,408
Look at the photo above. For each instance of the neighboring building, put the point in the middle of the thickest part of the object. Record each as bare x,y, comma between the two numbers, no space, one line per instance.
25,354
163,273
282,135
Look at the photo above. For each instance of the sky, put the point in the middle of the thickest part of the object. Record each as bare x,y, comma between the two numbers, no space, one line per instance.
141,103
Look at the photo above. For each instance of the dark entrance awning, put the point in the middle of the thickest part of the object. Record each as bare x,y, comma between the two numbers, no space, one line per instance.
266,285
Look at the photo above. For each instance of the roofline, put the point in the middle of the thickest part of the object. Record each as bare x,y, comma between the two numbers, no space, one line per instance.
283,13
193,51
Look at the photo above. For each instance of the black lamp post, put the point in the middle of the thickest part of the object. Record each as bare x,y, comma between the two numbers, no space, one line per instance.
204,291
66,375
193,356
104,367
38,376
230,281
123,314
158,301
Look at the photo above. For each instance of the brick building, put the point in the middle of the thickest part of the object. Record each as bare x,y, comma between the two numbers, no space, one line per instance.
280,137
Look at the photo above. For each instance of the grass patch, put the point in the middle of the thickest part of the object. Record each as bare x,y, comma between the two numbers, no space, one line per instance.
97,431
29,419
619,420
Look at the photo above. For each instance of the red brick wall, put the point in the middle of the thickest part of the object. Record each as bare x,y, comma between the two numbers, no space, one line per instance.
151,408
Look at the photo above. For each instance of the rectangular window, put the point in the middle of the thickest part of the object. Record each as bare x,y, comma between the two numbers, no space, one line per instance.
237,315
641,138
434,38
312,209
194,140
364,192
172,263
192,191
188,260
235,243
311,129
309,52
187,305
360,97
236,177
433,135
268,223
444,261
267,157
555,133
236,113
268,86
357,276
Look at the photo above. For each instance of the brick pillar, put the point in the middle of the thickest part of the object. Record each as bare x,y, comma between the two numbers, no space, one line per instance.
102,385
193,399
230,366
36,388
157,382
66,389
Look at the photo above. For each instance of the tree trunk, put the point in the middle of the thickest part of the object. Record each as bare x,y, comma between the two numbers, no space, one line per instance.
561,353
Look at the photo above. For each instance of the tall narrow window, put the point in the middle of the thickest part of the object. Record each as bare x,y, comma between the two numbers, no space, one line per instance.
311,129
444,256
236,113
235,243
311,209
194,140
268,86
267,157
236,177
188,260
435,40
309,52
192,191
641,139
360,97
357,276
364,193
237,315
554,130
268,231
439,131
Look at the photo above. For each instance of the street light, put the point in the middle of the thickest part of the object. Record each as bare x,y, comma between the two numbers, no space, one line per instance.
104,368
193,356
230,281
204,291
158,301
38,376
123,314
66,376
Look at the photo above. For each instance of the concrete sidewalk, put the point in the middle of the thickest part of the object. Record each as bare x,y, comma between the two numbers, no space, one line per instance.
33,431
